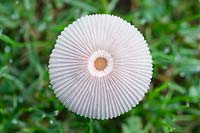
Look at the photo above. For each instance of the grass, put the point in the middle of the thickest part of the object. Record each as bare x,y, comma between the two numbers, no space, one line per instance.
28,30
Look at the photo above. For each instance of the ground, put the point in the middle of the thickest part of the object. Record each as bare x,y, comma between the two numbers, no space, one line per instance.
28,30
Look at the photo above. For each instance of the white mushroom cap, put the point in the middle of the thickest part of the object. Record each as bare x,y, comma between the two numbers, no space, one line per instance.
100,67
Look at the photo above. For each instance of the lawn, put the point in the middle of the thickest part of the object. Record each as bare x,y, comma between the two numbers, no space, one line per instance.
28,31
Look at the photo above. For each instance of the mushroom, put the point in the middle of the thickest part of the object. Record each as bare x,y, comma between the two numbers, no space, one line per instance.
100,67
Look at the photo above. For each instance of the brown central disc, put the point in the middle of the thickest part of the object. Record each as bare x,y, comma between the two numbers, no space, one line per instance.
100,63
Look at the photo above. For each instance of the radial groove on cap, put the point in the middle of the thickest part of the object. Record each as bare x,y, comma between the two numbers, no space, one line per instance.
100,93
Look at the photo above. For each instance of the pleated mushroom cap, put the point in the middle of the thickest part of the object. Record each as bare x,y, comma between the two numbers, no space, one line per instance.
100,67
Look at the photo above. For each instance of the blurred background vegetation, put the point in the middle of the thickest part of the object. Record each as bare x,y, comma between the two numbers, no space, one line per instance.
28,30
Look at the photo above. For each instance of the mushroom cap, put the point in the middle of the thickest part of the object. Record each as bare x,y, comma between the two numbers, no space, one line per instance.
100,67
